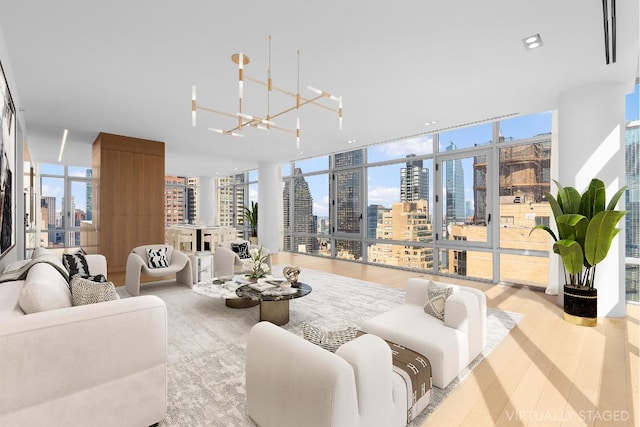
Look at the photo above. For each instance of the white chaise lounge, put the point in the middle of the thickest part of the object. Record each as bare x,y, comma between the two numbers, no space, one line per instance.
450,344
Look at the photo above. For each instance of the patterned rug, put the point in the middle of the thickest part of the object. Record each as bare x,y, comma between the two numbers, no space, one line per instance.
207,342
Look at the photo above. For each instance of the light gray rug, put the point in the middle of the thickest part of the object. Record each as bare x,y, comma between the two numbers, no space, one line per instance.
207,342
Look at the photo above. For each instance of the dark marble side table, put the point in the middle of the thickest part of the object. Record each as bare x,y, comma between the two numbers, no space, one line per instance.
274,307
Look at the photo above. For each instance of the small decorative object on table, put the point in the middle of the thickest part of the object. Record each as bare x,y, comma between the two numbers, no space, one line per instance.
291,273
255,265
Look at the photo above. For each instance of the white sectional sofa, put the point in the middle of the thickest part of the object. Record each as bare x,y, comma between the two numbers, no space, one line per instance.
450,345
98,364
294,383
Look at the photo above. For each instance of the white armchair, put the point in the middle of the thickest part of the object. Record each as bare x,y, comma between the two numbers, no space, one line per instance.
227,263
179,263
311,386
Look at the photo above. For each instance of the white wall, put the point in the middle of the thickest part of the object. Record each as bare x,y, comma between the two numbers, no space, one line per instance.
17,252
591,144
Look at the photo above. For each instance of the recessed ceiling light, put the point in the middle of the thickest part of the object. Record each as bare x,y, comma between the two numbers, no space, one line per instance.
351,141
299,153
432,122
532,42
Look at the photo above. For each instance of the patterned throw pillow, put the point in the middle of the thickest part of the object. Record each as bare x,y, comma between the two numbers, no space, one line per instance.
85,291
97,278
242,249
436,297
75,264
329,340
157,258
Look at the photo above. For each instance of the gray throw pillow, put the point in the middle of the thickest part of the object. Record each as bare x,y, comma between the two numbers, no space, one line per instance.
329,340
85,291
436,298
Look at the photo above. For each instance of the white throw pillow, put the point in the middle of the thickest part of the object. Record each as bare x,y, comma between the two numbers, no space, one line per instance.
44,289
436,299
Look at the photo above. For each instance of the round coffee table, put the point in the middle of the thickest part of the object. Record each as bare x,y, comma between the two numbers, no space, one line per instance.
274,308
225,289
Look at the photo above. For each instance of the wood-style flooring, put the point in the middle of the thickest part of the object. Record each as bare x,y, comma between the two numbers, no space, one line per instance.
546,372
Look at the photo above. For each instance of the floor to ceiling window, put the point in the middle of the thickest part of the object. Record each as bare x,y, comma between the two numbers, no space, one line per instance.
65,204
430,203
234,193
632,196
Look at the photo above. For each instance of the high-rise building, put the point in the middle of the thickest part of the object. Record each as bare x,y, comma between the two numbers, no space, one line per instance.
414,181
374,217
303,218
454,189
348,203
175,200
192,200
408,221
632,204
48,215
89,196
632,194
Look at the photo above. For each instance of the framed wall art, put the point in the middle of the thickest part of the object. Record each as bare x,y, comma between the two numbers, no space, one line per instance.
7,167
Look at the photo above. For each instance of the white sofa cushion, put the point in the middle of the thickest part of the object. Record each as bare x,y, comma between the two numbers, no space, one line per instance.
9,293
44,289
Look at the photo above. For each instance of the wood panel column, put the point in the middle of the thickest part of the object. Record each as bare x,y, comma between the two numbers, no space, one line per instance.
128,195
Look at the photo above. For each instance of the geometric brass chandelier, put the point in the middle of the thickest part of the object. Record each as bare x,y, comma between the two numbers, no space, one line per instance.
265,121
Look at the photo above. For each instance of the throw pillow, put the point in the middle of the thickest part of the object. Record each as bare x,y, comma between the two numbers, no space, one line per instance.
242,249
157,258
97,278
329,340
84,291
75,264
436,298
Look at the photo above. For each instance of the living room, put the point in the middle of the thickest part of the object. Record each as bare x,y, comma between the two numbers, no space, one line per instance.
405,94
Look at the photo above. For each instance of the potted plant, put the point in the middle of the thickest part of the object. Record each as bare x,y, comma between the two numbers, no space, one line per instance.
251,215
586,229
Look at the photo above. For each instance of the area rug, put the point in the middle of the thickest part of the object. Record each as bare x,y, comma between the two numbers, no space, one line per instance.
207,342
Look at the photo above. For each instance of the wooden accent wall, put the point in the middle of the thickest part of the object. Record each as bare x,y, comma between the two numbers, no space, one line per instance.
128,195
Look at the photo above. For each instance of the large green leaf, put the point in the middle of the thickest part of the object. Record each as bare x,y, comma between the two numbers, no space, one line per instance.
571,201
597,196
555,206
614,200
571,254
600,233
567,225
545,228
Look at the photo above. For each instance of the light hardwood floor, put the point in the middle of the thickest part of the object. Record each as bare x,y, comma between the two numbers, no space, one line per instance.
546,372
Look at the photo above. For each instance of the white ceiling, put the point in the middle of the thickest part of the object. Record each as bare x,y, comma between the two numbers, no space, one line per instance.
127,67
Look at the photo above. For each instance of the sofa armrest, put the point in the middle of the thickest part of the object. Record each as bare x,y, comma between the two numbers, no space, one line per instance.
370,358
69,362
317,386
97,264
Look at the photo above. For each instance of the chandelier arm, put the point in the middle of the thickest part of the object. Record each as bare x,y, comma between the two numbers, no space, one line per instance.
211,110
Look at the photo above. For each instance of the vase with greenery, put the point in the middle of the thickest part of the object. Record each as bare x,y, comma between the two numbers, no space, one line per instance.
256,265
251,215
586,226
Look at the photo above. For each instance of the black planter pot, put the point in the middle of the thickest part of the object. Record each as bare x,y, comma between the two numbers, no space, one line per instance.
581,305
